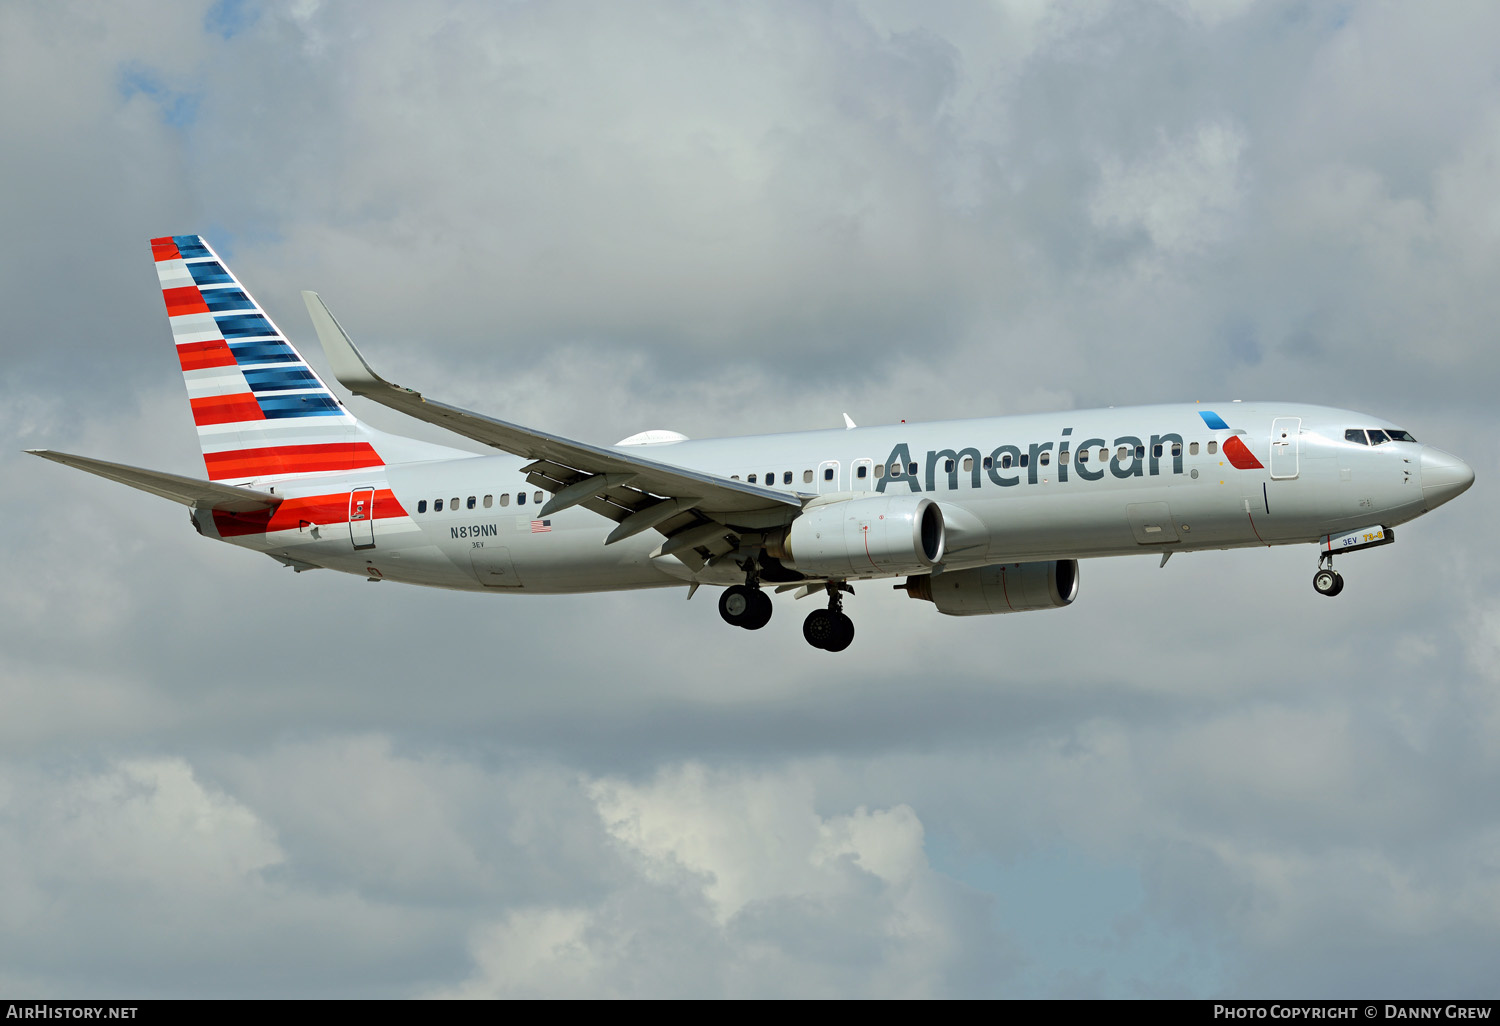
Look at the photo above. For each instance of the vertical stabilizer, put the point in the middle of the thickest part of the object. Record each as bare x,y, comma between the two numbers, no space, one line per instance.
260,410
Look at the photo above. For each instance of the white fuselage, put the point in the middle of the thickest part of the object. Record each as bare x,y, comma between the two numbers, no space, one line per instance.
1167,483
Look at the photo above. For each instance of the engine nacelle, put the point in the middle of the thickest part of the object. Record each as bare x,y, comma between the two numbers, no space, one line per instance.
882,536
1003,588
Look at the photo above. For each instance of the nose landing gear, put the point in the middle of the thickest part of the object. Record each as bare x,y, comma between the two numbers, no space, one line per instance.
829,629
1327,581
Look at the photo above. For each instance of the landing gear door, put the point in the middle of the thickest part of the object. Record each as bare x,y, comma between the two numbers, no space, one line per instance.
1284,447
362,518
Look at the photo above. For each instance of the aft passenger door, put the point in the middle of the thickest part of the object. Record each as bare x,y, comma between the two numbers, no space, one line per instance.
362,518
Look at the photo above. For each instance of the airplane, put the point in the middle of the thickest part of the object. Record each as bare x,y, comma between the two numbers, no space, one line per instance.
982,516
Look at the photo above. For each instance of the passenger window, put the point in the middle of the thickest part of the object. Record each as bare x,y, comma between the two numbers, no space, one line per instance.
807,476
1103,455
989,462
771,478
860,472
786,477
1025,458
880,471
437,505
470,503
1005,461
734,477
1140,452
968,464
947,466
505,499
828,473
1176,448
454,504
537,497
911,468
1193,449
1123,453
1083,455
1213,447
895,470
489,500
421,505
751,478
1044,459
1156,450
1062,458
520,498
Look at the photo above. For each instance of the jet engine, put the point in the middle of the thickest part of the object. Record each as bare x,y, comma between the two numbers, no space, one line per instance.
867,537
1003,588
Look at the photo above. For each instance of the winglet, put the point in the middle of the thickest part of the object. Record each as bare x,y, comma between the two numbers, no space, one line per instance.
347,363
848,422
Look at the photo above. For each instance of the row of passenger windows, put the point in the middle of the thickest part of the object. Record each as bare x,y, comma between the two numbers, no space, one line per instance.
473,501
862,470
1377,435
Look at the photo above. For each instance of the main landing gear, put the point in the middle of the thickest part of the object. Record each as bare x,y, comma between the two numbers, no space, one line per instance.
1327,581
829,629
745,605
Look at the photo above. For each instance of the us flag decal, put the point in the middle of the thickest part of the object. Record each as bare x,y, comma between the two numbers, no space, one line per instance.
541,526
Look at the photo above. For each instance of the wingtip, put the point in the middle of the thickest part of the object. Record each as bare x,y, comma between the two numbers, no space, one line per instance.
348,364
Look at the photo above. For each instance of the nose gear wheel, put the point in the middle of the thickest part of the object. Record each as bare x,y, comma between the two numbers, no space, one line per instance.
1327,581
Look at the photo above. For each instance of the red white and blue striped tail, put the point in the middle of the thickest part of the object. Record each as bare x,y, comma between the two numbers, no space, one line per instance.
260,410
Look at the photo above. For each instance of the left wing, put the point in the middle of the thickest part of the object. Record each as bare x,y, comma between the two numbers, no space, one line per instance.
694,509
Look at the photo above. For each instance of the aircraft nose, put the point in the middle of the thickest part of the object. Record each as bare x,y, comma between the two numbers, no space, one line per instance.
1444,476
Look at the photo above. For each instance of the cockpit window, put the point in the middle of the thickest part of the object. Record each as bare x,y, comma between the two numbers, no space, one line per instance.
1377,435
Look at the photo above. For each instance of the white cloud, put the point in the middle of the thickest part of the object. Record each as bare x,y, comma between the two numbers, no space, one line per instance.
1185,195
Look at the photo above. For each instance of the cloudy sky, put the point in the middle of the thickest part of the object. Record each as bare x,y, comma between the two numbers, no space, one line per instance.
220,778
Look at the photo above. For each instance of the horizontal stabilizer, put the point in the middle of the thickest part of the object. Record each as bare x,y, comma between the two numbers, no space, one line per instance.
187,490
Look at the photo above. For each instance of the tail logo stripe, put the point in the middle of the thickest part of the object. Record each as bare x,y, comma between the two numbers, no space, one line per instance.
210,272
248,354
291,459
225,409
186,300
190,247
199,355
279,379
246,326
227,299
